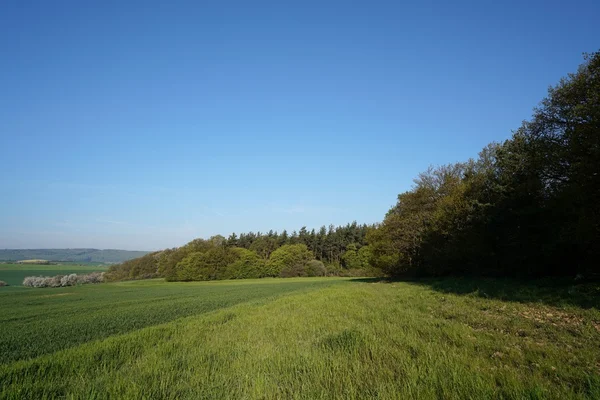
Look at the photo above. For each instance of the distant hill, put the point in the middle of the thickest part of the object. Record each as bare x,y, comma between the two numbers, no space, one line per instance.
81,255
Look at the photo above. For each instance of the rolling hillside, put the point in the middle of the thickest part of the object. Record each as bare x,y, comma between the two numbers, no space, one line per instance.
82,255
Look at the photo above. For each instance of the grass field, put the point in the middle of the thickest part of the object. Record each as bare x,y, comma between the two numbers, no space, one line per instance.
13,274
301,338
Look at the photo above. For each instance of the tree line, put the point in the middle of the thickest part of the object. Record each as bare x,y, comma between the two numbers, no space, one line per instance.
331,251
529,206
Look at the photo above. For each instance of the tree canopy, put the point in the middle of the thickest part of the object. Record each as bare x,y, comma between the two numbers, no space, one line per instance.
529,206
256,255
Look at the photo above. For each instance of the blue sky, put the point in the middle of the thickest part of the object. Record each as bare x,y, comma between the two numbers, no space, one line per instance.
142,125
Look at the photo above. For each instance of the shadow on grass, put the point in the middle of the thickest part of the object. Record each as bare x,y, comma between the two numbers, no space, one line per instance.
554,292
372,280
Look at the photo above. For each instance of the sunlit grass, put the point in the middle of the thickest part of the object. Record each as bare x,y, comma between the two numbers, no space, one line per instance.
335,339
39,321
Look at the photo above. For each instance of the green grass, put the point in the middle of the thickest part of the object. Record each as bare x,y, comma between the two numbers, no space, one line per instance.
298,338
37,321
13,274
84,264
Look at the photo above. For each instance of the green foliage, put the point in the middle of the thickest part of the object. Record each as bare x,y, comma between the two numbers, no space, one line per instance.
364,256
289,259
246,266
527,207
328,244
208,265
350,257
357,258
202,260
315,268
264,246
192,268
177,264
311,268
145,267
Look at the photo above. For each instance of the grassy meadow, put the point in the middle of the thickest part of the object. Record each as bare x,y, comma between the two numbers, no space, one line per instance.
13,274
304,338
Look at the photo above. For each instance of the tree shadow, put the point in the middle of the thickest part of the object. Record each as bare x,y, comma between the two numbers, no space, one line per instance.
558,292
369,280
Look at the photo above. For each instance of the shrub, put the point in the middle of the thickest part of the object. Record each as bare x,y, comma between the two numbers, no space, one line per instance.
332,269
310,268
55,281
193,268
287,257
248,265
217,262
315,268
136,268
149,276
94,277
292,271
35,281
63,280
69,280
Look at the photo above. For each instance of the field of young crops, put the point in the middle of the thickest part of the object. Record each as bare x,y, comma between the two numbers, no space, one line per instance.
13,274
305,338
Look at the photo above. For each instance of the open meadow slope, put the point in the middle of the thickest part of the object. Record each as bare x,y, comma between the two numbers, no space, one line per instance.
300,338
73,255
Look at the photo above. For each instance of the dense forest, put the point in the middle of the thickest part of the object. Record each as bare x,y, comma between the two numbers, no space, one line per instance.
529,206
338,251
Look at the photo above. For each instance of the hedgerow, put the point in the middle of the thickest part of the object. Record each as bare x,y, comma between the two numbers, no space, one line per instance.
63,280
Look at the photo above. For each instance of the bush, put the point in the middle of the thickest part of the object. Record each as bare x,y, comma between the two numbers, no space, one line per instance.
310,268
68,280
288,257
315,268
292,271
206,265
248,265
138,268
63,280
94,277
332,269
36,281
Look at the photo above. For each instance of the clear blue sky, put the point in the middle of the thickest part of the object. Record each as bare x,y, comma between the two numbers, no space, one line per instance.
142,125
